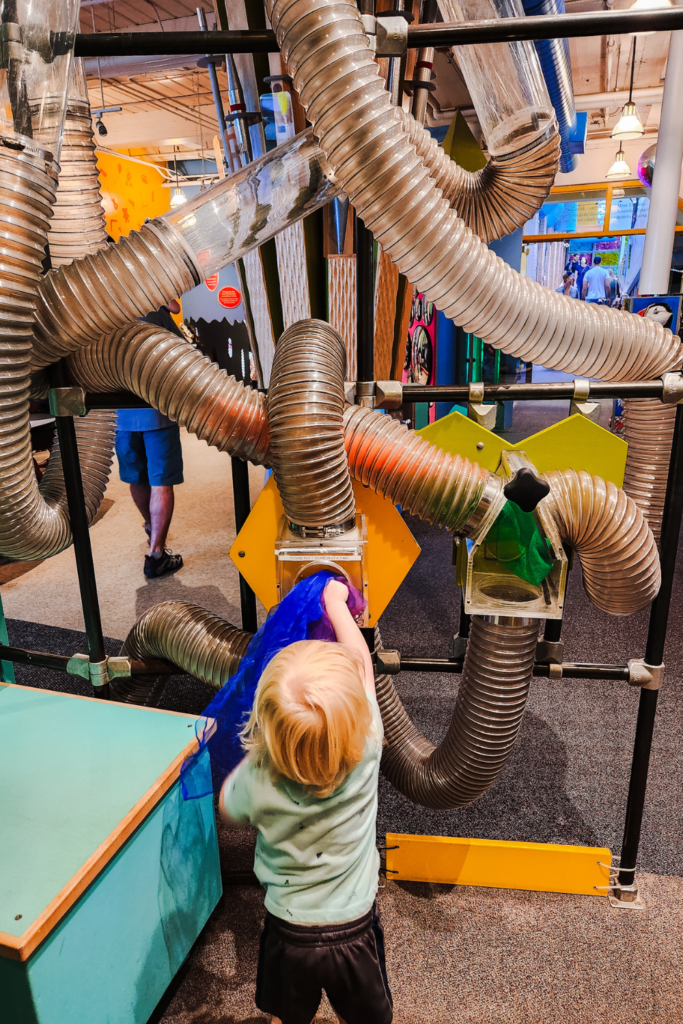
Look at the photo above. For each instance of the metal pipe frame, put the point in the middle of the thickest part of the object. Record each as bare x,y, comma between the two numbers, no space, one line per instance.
78,516
507,30
570,670
535,392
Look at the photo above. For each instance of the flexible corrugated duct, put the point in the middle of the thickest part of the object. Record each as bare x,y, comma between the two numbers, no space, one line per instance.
362,136
595,517
621,567
503,195
34,520
649,431
305,412
77,227
179,381
488,713
186,635
621,575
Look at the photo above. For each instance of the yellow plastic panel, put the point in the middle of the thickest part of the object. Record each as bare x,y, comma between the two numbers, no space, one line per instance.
573,443
498,864
392,549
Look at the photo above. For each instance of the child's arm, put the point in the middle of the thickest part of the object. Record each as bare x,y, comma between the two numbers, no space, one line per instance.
226,792
336,595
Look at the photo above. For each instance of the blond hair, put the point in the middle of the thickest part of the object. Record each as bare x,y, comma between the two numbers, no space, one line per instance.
311,715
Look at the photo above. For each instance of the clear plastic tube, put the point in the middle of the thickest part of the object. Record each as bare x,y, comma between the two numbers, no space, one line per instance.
503,79
38,40
251,206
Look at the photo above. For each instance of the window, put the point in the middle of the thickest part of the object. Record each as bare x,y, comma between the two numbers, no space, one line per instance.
629,209
580,212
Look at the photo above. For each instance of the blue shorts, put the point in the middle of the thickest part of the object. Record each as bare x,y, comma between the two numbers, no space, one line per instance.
153,457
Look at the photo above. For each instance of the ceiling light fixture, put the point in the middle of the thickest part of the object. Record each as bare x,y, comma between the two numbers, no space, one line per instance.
619,168
629,125
178,197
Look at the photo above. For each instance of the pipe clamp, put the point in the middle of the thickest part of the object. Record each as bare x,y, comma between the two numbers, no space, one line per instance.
388,394
582,389
101,672
550,651
389,662
387,36
672,388
647,677
67,401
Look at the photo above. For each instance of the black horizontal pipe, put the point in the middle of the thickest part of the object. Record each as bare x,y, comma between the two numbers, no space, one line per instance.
504,30
530,392
546,26
18,654
570,670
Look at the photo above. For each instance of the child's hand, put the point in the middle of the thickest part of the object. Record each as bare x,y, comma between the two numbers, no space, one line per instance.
336,591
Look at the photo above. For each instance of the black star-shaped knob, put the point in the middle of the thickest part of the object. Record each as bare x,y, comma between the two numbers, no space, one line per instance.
526,489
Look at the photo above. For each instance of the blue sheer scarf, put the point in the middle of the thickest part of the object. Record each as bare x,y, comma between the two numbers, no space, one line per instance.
300,615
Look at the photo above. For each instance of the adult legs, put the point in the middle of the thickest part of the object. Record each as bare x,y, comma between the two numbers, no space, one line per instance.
141,494
161,505
155,505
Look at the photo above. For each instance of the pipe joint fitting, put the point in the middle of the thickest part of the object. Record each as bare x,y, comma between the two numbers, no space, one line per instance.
672,388
647,677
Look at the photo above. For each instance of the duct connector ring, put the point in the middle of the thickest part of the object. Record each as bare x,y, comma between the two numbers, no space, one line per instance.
323,532
487,511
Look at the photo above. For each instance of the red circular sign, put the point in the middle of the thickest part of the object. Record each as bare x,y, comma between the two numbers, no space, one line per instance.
212,282
229,297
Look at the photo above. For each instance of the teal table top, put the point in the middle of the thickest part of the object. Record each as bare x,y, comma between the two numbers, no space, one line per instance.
71,771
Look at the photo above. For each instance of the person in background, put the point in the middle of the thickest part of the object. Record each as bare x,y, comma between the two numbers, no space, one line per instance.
581,270
568,287
614,290
151,462
595,286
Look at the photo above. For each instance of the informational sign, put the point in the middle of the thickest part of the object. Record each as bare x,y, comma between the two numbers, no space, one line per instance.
588,216
229,298
212,282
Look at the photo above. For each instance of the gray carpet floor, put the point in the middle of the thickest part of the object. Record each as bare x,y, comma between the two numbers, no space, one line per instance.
475,955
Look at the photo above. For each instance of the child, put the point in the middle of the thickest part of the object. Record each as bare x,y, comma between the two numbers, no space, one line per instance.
309,785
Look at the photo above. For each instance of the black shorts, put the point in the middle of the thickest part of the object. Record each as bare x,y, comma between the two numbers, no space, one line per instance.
296,962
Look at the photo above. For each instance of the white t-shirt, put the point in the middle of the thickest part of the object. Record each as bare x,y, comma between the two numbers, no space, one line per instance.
596,277
316,858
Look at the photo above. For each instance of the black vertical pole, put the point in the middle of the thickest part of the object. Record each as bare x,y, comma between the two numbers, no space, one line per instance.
240,492
365,329
78,516
553,630
654,655
365,302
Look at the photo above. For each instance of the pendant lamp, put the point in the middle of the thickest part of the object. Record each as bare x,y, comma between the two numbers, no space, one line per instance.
629,125
178,197
619,168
